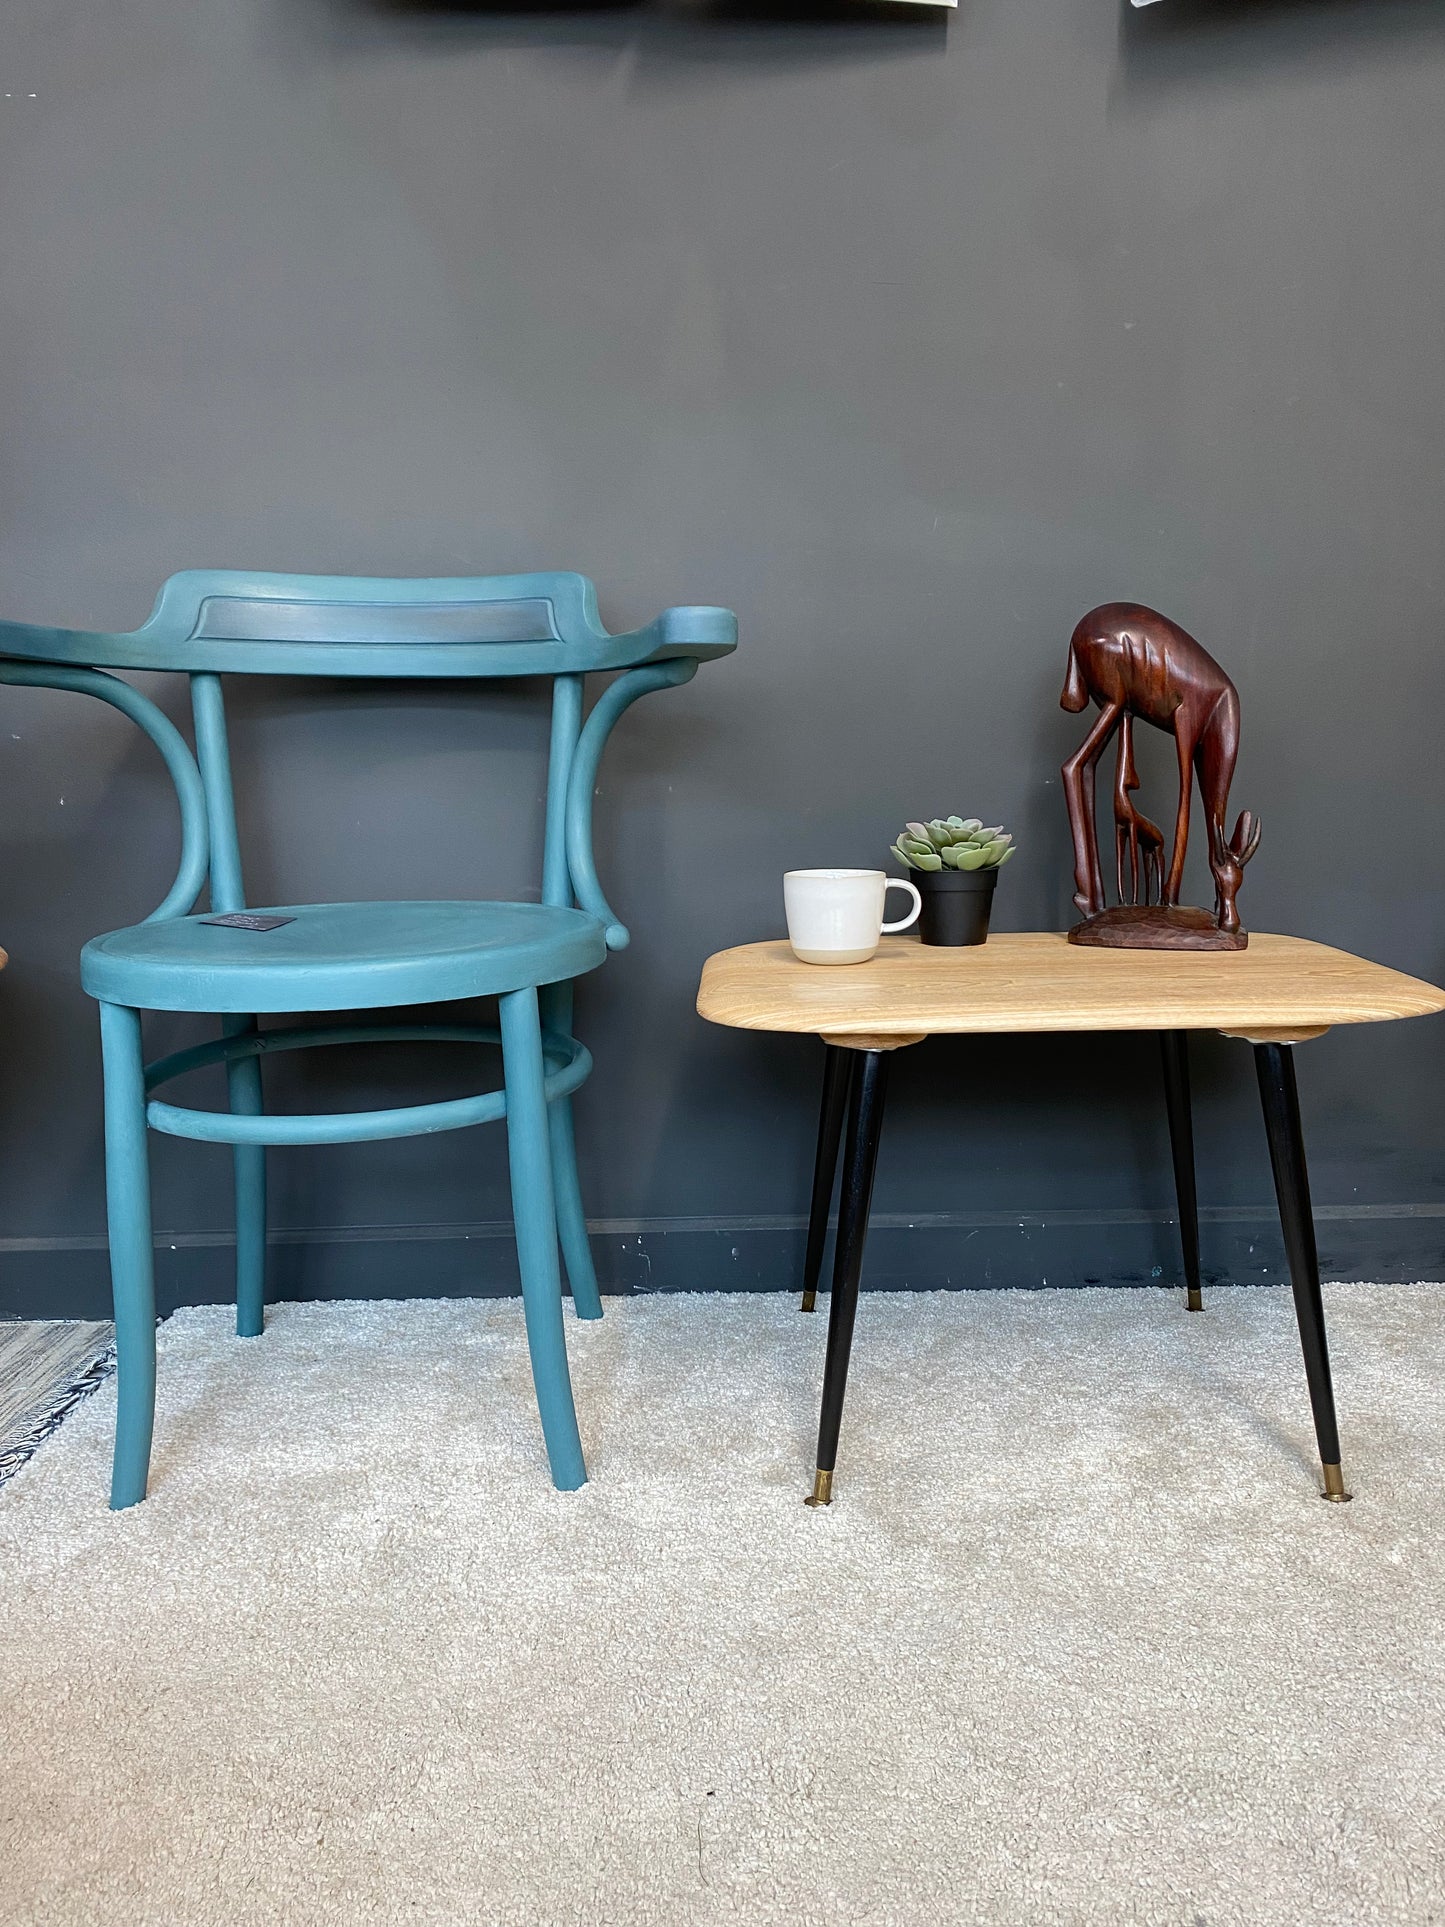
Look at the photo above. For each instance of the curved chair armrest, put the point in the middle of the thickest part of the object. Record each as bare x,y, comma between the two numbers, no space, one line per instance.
37,642
694,630
617,697
191,872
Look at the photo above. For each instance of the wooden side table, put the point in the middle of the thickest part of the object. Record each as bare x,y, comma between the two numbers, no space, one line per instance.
1277,993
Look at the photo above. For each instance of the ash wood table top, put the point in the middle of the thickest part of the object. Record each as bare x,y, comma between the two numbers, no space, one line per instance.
1280,989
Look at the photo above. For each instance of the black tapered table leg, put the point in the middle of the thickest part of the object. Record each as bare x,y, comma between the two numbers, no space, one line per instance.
837,1071
1280,1098
1174,1045
860,1158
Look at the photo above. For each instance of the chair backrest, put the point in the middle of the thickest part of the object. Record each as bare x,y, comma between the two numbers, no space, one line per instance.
212,622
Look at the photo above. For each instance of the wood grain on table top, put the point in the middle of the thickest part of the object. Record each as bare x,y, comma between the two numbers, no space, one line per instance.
1038,981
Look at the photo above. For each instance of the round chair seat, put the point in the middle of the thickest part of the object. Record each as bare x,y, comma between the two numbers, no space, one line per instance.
341,956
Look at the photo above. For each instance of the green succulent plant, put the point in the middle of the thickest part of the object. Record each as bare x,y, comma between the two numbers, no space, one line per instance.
953,843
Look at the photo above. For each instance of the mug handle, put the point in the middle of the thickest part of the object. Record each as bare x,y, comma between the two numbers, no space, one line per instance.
902,883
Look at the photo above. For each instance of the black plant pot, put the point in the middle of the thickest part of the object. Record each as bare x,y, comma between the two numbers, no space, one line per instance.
956,905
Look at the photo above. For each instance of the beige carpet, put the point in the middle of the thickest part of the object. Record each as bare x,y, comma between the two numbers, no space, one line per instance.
1077,1643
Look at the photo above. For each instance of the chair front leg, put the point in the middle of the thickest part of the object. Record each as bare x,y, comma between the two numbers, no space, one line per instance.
534,1214
132,1256
243,1083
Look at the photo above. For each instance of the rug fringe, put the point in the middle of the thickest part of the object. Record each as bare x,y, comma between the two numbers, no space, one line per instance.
16,1451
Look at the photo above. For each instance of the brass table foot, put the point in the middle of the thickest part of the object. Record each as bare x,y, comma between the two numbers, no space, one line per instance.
1335,1486
1195,1301
822,1492
810,1298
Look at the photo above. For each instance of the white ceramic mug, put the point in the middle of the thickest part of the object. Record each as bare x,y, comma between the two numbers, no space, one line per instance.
836,916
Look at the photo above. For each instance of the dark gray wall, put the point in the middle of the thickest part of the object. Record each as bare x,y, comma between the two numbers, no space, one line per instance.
910,337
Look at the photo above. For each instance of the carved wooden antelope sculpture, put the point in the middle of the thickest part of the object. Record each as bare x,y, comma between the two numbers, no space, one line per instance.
1133,661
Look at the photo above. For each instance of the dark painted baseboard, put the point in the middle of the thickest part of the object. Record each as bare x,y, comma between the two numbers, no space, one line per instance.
67,1278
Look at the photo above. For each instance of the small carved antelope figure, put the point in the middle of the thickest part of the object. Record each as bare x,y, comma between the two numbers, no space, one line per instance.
1132,661
1133,829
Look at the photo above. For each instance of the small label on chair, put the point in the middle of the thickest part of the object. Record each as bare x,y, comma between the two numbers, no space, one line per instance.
247,920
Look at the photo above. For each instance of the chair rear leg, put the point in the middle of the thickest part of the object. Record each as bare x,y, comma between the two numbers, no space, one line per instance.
132,1258
571,1218
534,1214
243,1081
554,1002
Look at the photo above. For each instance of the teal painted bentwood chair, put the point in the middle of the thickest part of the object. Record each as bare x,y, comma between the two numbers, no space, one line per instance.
357,956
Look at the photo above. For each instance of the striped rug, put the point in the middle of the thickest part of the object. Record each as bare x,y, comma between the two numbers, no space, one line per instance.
45,1369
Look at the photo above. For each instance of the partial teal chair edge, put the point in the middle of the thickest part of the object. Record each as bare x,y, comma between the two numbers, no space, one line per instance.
206,623
175,753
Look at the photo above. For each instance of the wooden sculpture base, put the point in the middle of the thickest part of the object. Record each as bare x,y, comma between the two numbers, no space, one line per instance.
1155,926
